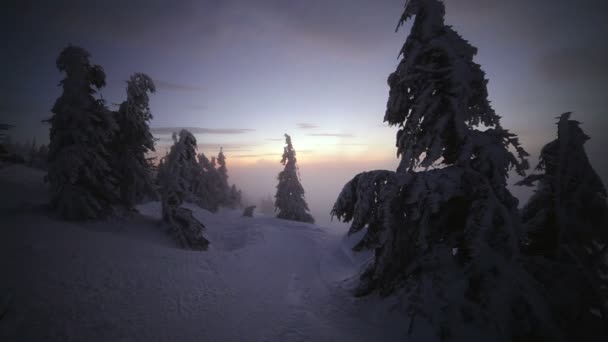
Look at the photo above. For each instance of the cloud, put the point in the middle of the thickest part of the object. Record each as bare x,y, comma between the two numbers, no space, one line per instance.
305,125
200,130
587,62
339,135
229,147
256,155
275,139
166,85
347,144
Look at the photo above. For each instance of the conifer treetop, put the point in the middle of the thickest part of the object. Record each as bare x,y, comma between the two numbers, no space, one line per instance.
138,86
438,97
289,154
75,60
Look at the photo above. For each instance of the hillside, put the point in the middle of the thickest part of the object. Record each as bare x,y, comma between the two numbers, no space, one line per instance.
123,279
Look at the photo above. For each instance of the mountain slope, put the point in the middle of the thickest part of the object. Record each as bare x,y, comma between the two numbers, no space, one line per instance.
123,279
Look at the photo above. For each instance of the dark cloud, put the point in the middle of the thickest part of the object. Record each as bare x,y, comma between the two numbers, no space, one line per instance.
340,135
212,147
166,85
200,130
571,63
228,147
305,125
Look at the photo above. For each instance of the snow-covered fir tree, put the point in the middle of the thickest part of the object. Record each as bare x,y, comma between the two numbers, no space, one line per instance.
235,197
230,195
208,186
566,228
289,199
133,141
82,182
222,170
175,178
447,239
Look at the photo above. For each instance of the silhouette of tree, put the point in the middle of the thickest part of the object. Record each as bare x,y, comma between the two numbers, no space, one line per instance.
289,199
82,182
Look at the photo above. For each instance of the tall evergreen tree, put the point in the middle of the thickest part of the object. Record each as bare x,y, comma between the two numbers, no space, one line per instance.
566,228
222,169
133,141
446,240
289,199
82,182
223,179
176,177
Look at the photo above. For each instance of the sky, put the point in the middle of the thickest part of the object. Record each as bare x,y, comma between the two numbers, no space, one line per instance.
243,73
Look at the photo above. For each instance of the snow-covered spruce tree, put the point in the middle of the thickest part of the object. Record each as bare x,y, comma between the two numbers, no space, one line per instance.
133,141
208,187
446,240
222,169
229,196
175,177
82,182
289,199
364,201
235,197
566,225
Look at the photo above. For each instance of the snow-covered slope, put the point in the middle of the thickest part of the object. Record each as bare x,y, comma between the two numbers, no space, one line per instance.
263,279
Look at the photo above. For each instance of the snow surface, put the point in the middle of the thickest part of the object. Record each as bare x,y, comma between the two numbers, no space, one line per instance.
124,279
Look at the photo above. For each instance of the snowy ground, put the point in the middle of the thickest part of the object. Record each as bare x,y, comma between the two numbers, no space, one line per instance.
263,279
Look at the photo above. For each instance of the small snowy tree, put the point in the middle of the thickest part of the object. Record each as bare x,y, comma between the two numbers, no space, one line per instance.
235,197
208,186
179,170
222,169
446,240
228,196
289,199
566,227
133,141
248,212
82,182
